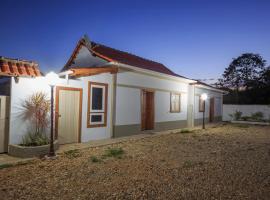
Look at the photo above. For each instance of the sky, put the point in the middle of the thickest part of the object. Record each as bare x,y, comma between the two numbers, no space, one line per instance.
194,38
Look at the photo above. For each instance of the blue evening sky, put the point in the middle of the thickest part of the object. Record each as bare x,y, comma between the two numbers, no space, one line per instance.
195,38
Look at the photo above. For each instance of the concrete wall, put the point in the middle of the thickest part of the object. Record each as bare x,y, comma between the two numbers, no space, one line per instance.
27,86
247,110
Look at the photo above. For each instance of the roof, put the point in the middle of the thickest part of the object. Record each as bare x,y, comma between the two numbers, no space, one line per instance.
113,55
16,67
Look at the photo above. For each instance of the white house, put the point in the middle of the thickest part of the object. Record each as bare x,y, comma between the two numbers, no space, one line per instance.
106,93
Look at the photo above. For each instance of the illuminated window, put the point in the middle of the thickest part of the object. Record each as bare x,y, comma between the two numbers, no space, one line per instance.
201,105
97,104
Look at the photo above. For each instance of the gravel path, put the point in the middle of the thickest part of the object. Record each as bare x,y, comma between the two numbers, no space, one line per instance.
223,162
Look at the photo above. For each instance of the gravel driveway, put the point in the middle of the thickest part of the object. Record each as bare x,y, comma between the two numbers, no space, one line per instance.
223,162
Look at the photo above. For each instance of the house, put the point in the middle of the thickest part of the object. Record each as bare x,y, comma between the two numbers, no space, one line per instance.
107,93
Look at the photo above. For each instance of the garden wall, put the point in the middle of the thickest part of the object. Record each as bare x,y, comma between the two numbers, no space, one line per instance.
246,110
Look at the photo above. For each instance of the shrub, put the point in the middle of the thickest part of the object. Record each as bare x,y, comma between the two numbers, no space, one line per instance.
35,110
257,116
32,139
72,153
245,118
94,159
236,115
3,166
185,131
114,152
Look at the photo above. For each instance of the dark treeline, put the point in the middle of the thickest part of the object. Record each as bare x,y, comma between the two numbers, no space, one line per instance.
247,80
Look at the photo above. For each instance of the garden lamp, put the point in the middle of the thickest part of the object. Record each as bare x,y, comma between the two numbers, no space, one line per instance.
52,79
204,98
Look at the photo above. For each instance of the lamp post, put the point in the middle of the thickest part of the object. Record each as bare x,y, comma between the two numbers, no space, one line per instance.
52,79
204,97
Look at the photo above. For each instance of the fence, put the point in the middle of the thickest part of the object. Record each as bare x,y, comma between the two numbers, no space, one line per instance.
247,110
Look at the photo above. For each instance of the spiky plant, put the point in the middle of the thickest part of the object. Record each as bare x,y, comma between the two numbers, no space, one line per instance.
36,109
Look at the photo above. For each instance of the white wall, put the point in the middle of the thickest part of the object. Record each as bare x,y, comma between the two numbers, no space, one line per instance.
27,86
246,110
137,79
128,98
128,106
162,107
218,102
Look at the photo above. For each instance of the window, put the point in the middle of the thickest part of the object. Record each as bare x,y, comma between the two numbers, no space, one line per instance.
97,104
175,102
201,105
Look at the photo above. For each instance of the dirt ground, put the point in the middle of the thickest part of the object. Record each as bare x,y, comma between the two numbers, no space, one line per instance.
223,162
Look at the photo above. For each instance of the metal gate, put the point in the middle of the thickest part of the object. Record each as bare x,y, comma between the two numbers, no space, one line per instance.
4,123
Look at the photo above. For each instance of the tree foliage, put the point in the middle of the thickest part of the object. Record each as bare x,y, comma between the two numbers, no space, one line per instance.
247,80
243,71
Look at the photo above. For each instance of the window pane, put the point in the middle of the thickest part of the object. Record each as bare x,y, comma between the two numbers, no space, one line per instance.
97,98
175,102
96,118
201,105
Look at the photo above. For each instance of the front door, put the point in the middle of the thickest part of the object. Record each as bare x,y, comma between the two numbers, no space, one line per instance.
147,122
68,114
212,109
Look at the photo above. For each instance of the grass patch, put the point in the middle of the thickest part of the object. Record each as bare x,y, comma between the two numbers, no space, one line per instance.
114,152
190,164
95,159
241,125
184,131
72,153
5,166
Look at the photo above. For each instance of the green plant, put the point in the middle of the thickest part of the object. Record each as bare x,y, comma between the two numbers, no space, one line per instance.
236,115
32,139
3,166
114,152
245,118
185,131
257,116
94,159
35,110
72,153
241,125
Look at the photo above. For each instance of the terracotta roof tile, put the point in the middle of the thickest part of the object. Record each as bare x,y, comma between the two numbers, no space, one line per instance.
130,59
15,67
115,55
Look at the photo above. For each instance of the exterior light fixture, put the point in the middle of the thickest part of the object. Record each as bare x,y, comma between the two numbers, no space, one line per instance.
204,98
52,79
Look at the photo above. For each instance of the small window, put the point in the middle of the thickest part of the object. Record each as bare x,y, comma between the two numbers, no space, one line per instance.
201,105
97,104
175,102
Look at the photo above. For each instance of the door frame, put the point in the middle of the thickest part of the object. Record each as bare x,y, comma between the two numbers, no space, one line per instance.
143,109
212,109
56,117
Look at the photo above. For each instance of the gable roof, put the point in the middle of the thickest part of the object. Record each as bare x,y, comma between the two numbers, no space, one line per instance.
113,55
16,67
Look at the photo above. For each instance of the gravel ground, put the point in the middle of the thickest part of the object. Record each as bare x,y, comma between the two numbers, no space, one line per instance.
223,162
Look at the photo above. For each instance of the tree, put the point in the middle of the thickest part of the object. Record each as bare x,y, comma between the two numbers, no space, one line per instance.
243,71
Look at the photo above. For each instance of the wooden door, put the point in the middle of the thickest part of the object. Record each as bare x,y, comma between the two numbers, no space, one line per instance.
4,121
148,107
68,114
212,109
